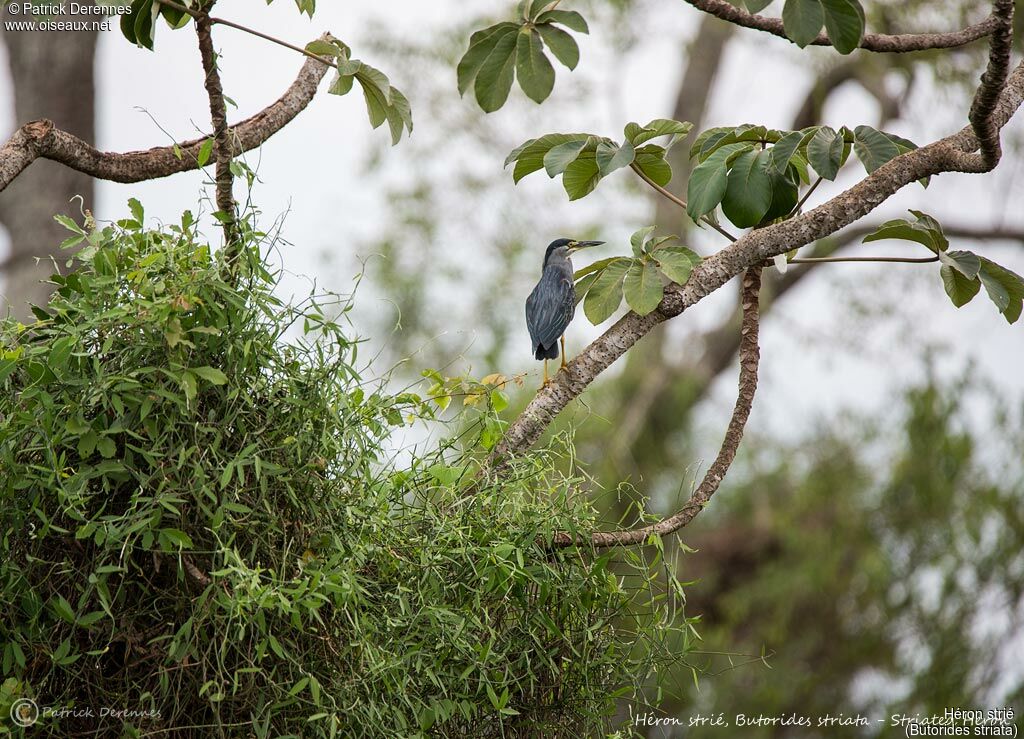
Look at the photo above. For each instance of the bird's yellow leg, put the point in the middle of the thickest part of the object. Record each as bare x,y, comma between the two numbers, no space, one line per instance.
545,375
563,353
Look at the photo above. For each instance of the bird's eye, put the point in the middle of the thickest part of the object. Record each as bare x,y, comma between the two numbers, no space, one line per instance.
573,243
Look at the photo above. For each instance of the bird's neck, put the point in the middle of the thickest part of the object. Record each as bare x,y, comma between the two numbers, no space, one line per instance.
562,266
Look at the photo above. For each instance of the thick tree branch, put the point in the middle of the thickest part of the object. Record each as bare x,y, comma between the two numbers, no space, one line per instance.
982,115
871,42
221,141
750,355
950,154
42,140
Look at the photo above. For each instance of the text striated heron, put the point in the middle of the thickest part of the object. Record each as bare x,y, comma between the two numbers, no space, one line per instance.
551,305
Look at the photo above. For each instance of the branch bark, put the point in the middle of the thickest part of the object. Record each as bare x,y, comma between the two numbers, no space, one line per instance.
41,139
955,153
898,43
223,178
750,355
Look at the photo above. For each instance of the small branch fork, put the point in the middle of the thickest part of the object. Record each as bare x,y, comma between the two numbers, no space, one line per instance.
750,355
974,148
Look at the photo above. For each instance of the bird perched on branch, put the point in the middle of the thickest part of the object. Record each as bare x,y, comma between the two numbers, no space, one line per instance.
551,305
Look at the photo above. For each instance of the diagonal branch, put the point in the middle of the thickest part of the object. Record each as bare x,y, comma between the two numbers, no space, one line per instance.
953,153
42,140
750,355
880,42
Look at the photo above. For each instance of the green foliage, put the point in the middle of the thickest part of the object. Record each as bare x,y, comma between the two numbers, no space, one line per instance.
200,519
963,273
139,25
506,51
640,278
583,159
384,101
843,21
755,173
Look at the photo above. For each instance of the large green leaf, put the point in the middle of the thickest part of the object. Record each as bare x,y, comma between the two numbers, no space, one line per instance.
562,44
568,18
481,44
997,292
529,156
713,139
611,157
597,266
708,180
785,194
844,23
825,152
1011,283
376,102
651,161
802,20
873,147
902,229
658,127
536,75
143,18
561,156
494,80
705,142
782,151
581,176
643,288
963,262
676,262
748,193
959,288
605,295
640,237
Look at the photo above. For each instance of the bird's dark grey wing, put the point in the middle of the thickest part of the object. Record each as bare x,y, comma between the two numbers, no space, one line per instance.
549,308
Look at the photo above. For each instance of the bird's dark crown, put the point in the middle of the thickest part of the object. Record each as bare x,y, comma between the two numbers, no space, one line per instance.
572,244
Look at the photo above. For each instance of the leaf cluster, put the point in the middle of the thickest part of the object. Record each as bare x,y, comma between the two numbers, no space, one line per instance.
511,50
640,278
384,101
755,173
963,272
802,21
583,159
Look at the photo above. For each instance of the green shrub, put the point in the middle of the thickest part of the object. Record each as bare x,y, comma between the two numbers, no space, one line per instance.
202,519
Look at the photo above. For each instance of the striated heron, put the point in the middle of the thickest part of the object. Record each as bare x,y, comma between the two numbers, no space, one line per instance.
552,303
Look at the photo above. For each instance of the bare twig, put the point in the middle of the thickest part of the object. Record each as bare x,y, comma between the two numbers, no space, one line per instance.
251,31
900,260
750,355
871,41
678,201
197,575
810,191
43,140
